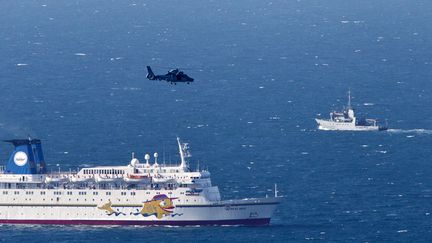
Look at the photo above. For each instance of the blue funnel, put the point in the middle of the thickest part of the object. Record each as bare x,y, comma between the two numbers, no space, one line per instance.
27,157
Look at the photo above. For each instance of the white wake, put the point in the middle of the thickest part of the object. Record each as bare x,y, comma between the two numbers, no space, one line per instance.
416,131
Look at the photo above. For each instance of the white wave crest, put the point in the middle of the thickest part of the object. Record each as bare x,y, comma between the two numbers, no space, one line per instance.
416,131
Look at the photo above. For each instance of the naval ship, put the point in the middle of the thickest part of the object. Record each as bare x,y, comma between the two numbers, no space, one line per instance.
347,121
137,193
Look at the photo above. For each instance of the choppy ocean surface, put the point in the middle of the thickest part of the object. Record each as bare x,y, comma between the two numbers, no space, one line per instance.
72,73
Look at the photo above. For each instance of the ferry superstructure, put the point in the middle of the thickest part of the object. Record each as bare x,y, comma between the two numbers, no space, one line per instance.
347,121
134,194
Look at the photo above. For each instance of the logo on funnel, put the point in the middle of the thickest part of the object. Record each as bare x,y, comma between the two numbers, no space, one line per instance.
20,158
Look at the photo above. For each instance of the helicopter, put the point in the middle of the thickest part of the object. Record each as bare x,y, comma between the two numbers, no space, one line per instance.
173,76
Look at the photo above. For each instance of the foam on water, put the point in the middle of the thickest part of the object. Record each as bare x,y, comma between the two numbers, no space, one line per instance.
416,131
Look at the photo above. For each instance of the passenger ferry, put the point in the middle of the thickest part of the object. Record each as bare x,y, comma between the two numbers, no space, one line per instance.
347,121
138,193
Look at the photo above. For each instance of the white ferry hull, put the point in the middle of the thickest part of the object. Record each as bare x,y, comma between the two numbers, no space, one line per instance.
344,126
236,212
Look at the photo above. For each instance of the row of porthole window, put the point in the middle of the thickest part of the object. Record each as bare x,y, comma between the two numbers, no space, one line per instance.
79,193
52,199
60,193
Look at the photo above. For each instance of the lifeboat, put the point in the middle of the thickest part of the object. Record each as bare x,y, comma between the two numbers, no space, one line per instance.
106,178
78,178
161,179
134,178
55,178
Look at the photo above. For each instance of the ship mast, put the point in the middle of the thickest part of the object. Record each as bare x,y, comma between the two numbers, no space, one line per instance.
349,99
184,153
350,109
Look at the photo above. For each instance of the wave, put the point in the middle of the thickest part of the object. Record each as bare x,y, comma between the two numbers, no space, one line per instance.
417,131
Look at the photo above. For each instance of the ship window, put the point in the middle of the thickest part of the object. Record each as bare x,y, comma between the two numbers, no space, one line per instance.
108,193
95,193
133,193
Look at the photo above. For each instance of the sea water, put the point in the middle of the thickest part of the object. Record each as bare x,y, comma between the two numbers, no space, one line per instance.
73,74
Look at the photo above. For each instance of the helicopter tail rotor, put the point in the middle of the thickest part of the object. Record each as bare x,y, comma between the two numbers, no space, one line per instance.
150,74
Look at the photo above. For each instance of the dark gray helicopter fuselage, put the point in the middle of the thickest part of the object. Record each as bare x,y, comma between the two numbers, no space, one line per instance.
173,76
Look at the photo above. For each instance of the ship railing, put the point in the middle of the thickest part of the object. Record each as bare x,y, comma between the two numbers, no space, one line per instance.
18,178
373,121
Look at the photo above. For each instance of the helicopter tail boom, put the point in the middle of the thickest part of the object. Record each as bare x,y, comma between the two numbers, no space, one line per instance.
150,74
